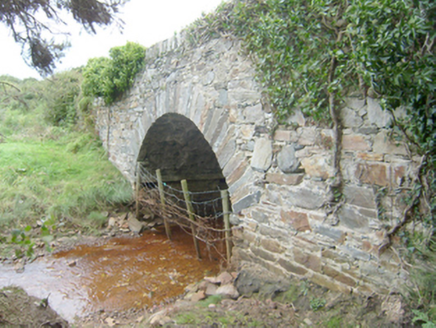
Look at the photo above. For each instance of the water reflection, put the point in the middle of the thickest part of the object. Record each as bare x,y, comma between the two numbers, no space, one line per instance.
117,274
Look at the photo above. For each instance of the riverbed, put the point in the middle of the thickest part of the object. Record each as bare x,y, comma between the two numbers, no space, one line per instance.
114,274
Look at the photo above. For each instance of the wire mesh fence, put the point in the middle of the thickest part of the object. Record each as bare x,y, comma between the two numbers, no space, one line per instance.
202,214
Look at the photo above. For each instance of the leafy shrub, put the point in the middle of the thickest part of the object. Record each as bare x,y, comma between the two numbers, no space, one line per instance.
97,219
423,293
62,93
111,77
317,304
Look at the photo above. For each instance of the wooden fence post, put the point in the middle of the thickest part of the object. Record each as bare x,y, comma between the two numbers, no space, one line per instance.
190,209
137,187
162,200
226,217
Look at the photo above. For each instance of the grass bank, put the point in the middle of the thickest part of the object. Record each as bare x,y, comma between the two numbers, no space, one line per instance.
51,168
68,178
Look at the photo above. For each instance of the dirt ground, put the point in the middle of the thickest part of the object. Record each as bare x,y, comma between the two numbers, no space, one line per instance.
297,303
297,307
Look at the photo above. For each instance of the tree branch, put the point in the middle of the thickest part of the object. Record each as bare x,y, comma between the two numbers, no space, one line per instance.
10,85
407,213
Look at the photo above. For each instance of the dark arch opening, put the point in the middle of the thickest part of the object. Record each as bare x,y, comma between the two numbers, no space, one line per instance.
177,147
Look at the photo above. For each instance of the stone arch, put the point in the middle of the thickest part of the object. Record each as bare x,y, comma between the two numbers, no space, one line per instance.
278,176
175,145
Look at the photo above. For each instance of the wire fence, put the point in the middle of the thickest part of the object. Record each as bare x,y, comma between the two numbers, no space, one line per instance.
202,214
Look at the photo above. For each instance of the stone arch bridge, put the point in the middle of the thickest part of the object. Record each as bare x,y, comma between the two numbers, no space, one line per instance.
197,110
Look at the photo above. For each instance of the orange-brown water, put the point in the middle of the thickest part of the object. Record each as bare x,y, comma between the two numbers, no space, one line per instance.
117,274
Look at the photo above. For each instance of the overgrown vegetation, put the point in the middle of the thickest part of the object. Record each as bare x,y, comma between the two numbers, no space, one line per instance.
110,77
54,171
310,55
52,165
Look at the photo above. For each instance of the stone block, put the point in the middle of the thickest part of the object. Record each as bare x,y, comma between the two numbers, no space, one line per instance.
247,201
226,152
208,78
247,130
355,103
292,267
355,142
237,173
284,179
304,243
363,289
352,218
271,267
279,234
399,172
285,135
370,157
334,256
228,291
263,254
360,196
262,155
383,144
305,198
248,236
339,276
309,260
376,115
368,247
297,117
350,118
252,226
248,146
239,95
240,254
372,173
317,166
298,220
371,269
254,114
259,216
355,253
308,136
329,283
287,161
335,234
271,245
233,164
237,185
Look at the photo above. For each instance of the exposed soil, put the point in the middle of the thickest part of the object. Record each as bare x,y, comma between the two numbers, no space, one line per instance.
297,307
17,309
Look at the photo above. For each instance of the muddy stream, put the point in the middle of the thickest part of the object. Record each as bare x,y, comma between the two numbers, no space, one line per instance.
114,274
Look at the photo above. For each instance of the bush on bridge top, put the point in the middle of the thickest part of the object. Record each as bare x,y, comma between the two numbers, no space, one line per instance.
111,77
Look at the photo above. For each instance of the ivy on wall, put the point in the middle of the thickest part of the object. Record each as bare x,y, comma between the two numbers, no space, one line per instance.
311,54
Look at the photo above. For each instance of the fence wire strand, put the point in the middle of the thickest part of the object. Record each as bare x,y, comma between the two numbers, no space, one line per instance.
207,228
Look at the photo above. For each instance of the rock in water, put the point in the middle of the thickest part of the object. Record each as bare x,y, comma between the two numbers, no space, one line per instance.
135,226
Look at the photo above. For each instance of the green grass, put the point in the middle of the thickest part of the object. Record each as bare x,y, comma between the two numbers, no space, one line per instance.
68,178
54,173
204,317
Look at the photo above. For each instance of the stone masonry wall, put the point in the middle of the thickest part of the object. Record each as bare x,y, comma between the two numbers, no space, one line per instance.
277,175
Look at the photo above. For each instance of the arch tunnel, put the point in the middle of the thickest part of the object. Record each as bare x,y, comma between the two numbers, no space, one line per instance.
177,147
